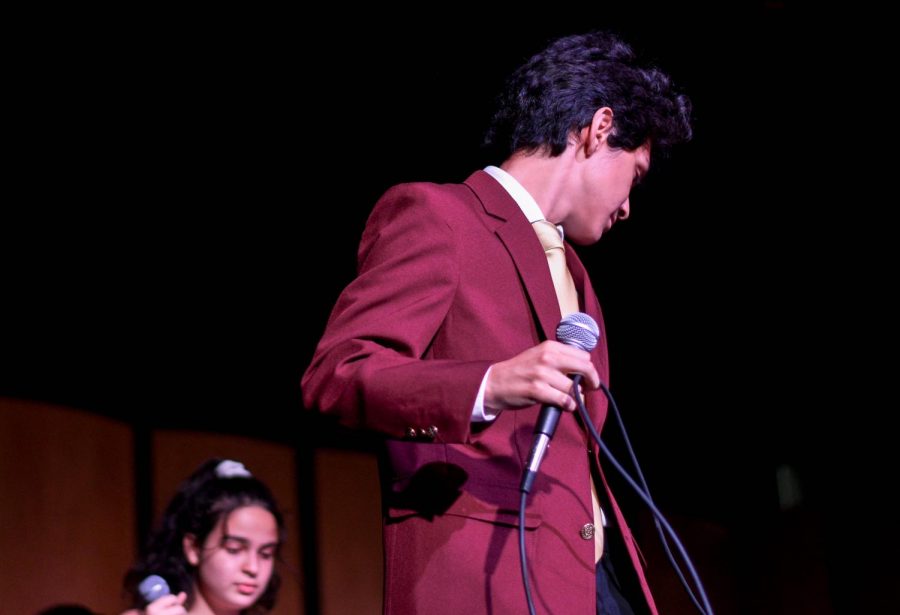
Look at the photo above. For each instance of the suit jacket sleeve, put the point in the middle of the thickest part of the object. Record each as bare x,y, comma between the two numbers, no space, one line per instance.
372,367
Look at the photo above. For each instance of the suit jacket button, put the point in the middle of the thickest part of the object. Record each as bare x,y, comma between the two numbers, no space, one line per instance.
411,432
587,531
431,432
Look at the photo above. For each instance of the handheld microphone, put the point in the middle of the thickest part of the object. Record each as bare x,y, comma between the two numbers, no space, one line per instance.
579,330
154,587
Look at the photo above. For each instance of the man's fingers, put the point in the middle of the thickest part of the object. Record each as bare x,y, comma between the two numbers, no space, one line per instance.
571,360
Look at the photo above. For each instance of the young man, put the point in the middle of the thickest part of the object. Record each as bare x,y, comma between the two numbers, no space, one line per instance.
445,344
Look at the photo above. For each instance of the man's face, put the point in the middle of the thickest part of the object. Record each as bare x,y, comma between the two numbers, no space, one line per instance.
601,190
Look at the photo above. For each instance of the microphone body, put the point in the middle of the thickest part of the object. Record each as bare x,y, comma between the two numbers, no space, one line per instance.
153,588
581,331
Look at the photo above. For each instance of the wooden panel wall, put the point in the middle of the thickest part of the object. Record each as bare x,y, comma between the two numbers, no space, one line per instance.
348,511
67,523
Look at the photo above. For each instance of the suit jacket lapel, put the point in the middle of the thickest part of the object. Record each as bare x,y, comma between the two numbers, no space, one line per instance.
520,240
590,305
595,400
586,297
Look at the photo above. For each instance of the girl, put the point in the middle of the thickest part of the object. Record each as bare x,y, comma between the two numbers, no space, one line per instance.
215,548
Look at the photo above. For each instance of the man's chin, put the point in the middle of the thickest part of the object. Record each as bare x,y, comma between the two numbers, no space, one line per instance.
585,239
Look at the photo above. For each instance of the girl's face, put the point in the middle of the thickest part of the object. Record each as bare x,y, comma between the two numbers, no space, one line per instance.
237,559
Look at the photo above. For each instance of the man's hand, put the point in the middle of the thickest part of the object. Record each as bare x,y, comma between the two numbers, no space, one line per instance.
539,376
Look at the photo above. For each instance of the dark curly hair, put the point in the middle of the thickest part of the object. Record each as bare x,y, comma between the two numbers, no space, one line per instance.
200,502
558,91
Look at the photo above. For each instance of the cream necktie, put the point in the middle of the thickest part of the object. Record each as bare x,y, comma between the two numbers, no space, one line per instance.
553,246
567,296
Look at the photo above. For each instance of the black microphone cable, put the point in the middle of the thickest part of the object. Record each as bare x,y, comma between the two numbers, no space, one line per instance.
580,330
644,494
525,487
637,466
523,559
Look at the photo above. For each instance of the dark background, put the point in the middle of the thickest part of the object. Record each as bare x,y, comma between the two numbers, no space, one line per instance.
186,194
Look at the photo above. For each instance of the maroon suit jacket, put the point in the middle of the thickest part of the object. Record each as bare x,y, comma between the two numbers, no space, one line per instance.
452,278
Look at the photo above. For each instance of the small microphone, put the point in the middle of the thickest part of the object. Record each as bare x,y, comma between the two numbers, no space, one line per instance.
579,330
153,588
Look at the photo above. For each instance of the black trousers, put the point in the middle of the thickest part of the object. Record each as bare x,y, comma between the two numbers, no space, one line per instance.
610,600
617,595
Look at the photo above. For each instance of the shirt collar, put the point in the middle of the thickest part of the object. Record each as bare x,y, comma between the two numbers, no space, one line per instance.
519,194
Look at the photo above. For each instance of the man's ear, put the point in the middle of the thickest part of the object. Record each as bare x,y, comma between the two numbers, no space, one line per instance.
599,130
191,549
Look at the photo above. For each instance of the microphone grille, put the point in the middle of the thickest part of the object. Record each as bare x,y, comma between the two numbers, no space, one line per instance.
579,330
153,587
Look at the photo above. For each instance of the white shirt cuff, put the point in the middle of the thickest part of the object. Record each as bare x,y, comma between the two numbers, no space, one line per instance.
479,415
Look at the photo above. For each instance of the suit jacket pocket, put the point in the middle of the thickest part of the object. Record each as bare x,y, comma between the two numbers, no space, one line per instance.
439,489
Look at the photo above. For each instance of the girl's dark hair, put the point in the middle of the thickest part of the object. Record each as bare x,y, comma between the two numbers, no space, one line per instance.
558,90
200,502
